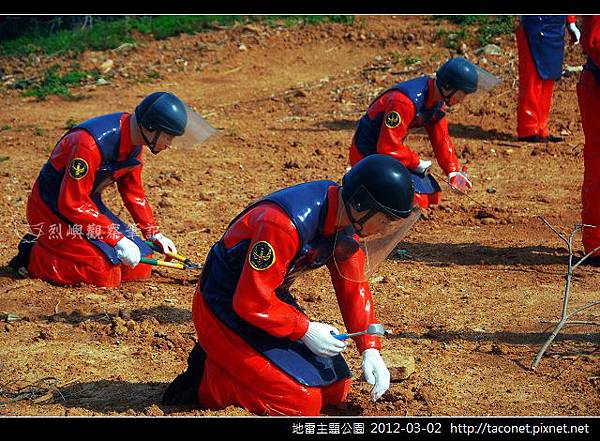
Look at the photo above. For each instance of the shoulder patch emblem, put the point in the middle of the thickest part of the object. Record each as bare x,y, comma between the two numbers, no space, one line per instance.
262,256
78,168
392,119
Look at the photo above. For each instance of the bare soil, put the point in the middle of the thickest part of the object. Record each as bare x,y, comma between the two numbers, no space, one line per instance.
470,300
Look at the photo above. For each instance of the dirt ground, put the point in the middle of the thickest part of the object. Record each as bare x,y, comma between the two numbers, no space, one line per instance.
471,300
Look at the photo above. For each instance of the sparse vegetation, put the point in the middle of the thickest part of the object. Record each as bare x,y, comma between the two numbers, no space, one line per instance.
61,35
52,83
480,29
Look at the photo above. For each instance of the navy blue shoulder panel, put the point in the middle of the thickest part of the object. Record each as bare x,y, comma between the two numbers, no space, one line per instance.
106,131
415,89
304,204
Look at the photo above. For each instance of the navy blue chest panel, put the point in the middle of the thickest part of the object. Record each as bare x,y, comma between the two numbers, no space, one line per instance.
545,36
305,204
106,132
367,133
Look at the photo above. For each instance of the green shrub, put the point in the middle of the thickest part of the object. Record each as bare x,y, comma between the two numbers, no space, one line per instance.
54,84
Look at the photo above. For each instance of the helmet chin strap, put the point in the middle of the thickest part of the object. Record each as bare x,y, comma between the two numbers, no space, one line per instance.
360,222
150,144
447,97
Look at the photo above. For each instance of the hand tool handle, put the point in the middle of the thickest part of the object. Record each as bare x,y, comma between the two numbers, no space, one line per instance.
346,335
158,262
166,253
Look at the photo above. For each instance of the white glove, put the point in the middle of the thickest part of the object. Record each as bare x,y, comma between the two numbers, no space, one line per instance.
319,340
423,167
459,182
376,372
575,33
164,242
128,252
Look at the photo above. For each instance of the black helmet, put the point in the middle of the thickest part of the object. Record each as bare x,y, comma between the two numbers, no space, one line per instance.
457,74
162,111
379,183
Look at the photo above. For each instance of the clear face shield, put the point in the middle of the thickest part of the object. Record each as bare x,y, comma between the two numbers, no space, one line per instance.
197,130
372,235
486,81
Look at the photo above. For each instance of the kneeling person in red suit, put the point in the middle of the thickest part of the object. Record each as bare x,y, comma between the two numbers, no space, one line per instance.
256,346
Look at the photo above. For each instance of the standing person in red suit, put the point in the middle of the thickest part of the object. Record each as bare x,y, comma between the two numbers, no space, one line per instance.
77,239
256,347
588,95
540,44
421,102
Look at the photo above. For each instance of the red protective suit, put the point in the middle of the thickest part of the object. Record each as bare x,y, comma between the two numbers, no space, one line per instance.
391,139
535,94
61,253
588,95
235,373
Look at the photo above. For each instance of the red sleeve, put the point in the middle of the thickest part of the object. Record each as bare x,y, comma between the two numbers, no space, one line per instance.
590,37
134,197
443,146
74,198
255,299
355,300
391,136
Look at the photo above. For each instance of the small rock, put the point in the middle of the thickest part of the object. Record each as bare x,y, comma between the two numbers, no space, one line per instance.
45,334
130,325
300,93
488,221
400,366
424,394
165,203
243,47
101,82
153,410
570,70
377,279
496,350
491,190
490,49
124,47
107,65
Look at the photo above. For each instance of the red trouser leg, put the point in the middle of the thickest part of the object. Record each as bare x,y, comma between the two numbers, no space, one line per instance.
588,96
530,90
63,258
235,374
545,101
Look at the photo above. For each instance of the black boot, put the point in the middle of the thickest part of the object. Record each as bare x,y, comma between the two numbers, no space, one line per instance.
20,262
184,388
552,138
533,138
